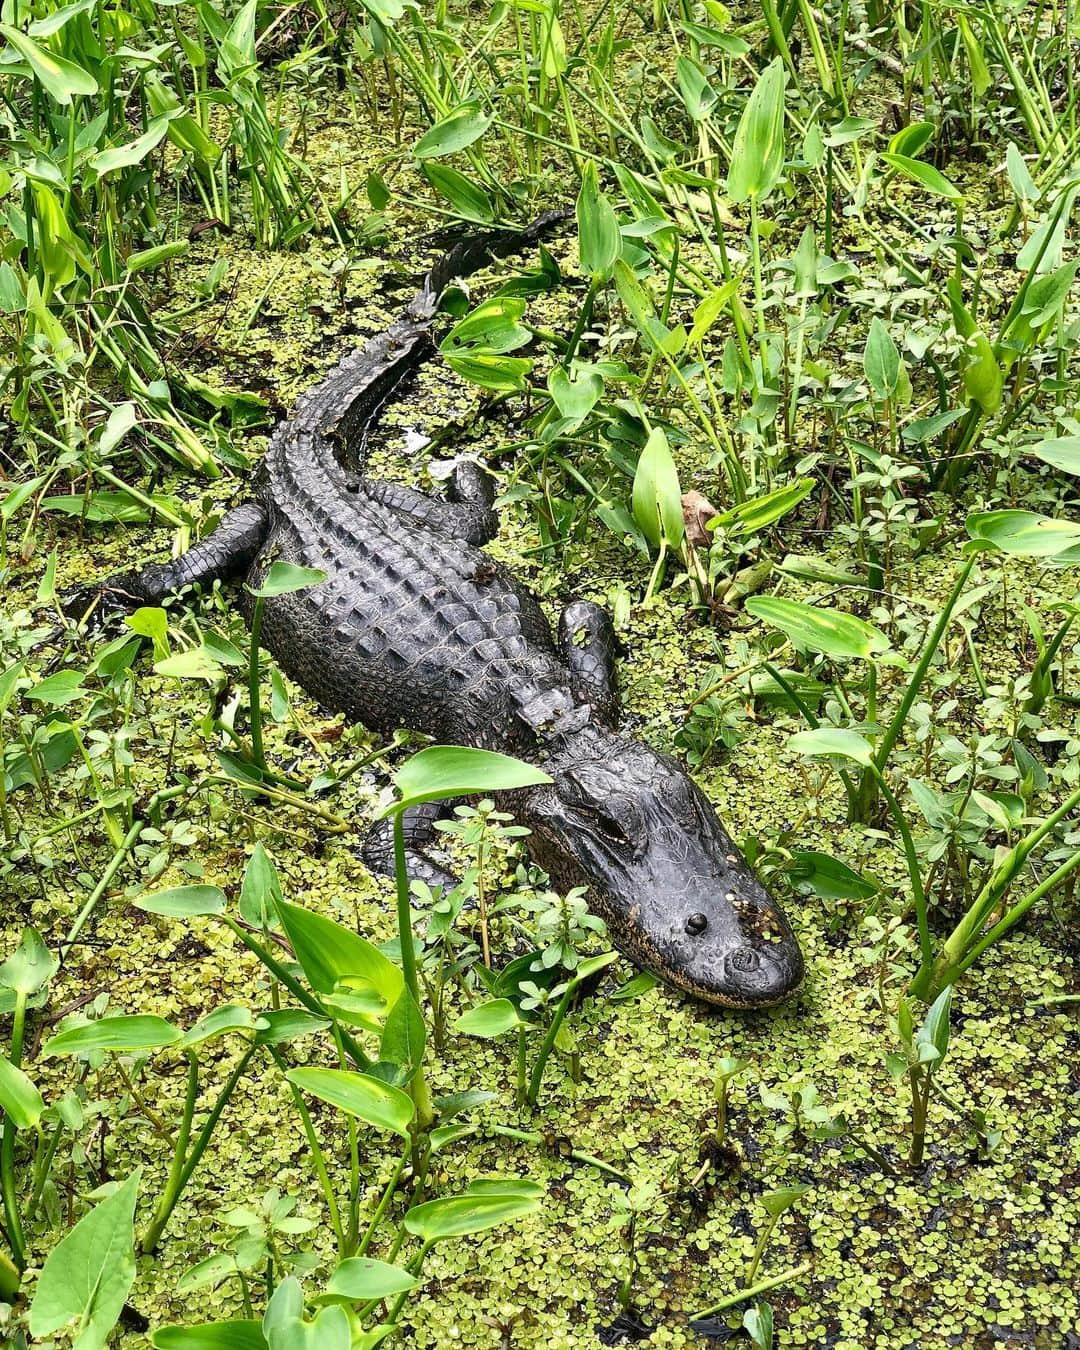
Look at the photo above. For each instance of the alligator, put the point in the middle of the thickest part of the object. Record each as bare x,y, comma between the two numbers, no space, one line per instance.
416,626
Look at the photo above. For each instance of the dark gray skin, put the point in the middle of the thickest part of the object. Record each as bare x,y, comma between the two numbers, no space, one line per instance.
415,626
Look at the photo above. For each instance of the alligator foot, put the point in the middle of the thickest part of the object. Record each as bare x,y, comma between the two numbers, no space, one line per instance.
377,850
588,645
227,552
466,514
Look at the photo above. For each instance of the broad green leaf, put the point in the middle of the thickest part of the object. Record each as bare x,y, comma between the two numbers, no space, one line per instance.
934,1031
599,240
821,630
757,153
467,198
925,175
657,495
577,394
61,79
984,380
360,1278
66,686
489,370
442,771
493,1018
1025,534
87,1275
828,878
1061,452
881,360
697,94
494,326
283,578
260,891
122,1035
404,1034
131,153
777,1201
458,131
710,309
280,1025
910,140
30,966
840,741
236,1335
184,902
152,622
458,1216
760,512
360,1095
331,955
197,663
20,1101
229,1018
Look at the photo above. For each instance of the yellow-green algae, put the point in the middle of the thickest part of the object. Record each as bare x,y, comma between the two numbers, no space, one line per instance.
967,1252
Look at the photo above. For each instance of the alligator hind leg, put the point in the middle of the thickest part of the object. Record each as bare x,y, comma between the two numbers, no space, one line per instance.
228,552
588,645
377,850
467,513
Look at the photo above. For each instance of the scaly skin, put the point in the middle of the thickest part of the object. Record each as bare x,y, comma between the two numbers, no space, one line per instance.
416,626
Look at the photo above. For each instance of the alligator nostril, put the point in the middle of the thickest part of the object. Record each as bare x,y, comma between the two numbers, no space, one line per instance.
744,959
696,924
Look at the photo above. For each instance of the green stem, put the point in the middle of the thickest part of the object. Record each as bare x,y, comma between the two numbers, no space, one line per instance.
752,1291
171,1192
547,1045
12,1216
254,695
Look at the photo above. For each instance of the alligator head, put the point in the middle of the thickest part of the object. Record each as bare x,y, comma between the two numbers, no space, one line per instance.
676,894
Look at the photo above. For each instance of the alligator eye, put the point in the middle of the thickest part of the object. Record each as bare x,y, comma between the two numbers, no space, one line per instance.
611,827
696,924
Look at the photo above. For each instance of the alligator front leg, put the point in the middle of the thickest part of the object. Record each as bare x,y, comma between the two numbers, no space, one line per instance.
228,552
468,513
377,850
589,646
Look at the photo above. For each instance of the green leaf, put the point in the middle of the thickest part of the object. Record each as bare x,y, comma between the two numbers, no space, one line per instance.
709,310
360,1278
228,1018
260,891
287,1024
30,966
925,175
599,240
122,1035
332,955
474,1212
757,153
211,1336
360,1095
66,686
759,513
1061,452
87,1275
934,1031
881,360
283,578
197,663
697,94
1024,534
60,78
404,1035
821,630
442,771
133,152
467,198
184,902
776,1202
575,397
910,140
487,1020
20,1100
833,741
657,495
460,129
828,877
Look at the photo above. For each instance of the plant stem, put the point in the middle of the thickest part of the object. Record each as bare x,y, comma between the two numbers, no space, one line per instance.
752,1291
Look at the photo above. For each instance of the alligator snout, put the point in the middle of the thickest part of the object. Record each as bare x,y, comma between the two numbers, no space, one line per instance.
675,893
